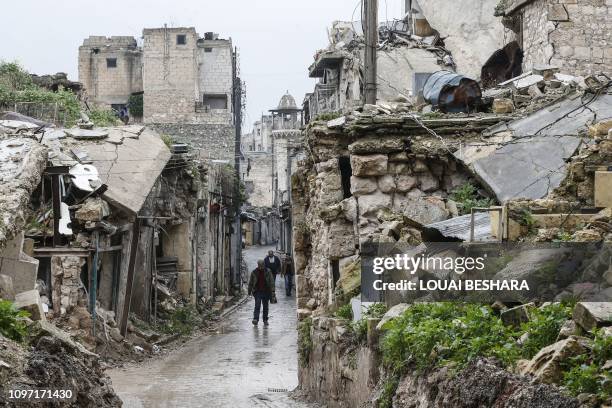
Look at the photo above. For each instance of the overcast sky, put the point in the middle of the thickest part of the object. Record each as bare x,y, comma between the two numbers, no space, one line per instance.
276,38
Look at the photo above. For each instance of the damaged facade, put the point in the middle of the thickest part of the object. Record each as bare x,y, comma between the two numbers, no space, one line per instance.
428,37
108,223
535,157
189,84
571,35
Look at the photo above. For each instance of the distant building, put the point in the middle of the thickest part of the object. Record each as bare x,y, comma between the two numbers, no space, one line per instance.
188,84
110,69
271,152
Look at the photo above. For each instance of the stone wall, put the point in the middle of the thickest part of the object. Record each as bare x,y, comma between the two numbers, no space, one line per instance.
215,68
17,265
170,75
392,189
571,34
470,30
66,283
258,180
110,85
338,373
213,141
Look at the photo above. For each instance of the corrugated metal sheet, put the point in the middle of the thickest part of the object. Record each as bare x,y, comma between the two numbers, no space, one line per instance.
459,227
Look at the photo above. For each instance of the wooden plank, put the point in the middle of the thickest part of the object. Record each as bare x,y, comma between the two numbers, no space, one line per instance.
126,296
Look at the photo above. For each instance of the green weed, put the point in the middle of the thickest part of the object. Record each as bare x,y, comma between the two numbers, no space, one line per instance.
467,197
12,321
304,341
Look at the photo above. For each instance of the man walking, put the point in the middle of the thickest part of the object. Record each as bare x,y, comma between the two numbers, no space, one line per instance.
288,273
261,286
273,263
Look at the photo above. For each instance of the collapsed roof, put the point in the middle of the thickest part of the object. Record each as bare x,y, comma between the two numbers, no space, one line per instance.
527,157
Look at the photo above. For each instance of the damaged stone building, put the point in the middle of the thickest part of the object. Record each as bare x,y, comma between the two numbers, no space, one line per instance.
494,42
271,152
533,153
571,35
427,37
106,223
189,84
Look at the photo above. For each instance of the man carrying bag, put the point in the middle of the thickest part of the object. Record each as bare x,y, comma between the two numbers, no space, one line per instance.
261,286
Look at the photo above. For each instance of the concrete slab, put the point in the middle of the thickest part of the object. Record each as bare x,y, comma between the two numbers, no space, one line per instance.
133,130
566,117
85,134
530,168
603,188
18,124
21,268
532,161
130,169
30,302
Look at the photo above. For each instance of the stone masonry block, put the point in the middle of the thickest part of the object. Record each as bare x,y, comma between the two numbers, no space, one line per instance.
370,165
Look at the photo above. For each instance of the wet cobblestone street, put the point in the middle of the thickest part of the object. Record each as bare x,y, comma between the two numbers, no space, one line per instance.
242,366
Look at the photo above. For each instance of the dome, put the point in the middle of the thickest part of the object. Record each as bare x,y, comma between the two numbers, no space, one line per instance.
287,102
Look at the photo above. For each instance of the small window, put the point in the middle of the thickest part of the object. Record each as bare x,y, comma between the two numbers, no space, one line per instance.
111,63
207,49
335,269
181,39
344,162
215,101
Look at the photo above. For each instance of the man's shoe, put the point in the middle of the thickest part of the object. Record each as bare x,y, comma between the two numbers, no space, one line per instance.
255,322
266,323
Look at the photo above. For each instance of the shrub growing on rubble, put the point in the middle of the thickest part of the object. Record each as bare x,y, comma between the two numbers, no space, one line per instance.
360,327
181,321
543,327
304,341
436,334
16,86
586,374
103,117
344,312
467,197
12,324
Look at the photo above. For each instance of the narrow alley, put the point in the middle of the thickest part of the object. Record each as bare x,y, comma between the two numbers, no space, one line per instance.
434,176
243,366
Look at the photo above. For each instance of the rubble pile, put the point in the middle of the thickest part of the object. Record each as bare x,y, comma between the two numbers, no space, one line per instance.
400,173
54,361
98,205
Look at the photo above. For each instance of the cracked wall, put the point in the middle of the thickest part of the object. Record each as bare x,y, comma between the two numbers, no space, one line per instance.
571,34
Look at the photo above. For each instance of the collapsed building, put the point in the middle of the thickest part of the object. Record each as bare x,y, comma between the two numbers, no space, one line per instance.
101,224
391,178
271,152
533,155
189,91
427,38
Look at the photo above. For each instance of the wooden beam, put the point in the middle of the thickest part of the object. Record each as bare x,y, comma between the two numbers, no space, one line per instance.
130,278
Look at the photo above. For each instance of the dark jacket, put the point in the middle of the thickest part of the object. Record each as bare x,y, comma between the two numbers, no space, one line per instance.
255,277
274,267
